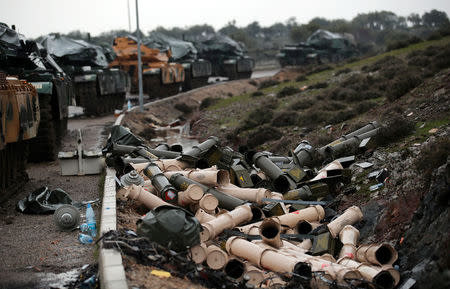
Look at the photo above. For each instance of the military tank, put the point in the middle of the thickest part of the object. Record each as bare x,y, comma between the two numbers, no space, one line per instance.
19,120
196,71
161,78
28,60
321,47
98,89
227,56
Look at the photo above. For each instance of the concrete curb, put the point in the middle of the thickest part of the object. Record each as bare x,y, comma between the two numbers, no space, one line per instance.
111,271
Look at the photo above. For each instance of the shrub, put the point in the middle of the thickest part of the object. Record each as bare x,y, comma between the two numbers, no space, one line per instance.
342,71
257,93
364,106
148,133
287,90
333,105
342,115
395,129
207,102
303,103
263,134
433,156
314,117
183,107
318,85
256,118
285,118
320,68
402,84
397,44
268,83
253,82
301,78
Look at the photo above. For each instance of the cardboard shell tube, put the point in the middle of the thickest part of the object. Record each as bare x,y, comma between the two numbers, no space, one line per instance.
350,216
349,235
376,275
348,250
192,194
198,253
270,230
207,177
203,216
266,258
378,254
235,268
247,194
216,258
304,227
145,197
306,244
394,273
225,221
255,274
313,213
208,202
334,165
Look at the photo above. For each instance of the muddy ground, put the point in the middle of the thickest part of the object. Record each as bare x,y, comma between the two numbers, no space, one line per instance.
34,253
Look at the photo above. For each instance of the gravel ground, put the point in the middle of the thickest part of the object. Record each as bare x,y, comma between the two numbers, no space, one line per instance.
34,253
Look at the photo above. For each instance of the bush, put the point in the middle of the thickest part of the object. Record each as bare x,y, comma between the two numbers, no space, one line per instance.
269,103
314,117
262,135
287,90
253,82
342,115
318,85
396,128
402,84
433,156
207,102
183,107
319,68
364,106
341,93
268,83
256,118
419,60
303,103
333,105
257,93
384,62
342,71
301,78
148,133
285,118
397,44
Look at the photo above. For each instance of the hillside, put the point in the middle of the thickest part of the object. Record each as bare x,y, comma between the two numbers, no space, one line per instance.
407,91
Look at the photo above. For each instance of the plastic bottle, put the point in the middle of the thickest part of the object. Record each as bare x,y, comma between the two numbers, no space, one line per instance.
129,104
85,239
90,220
84,228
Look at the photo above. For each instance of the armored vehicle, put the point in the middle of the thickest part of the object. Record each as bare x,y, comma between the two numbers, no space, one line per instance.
227,56
19,120
161,77
321,46
98,89
196,71
28,60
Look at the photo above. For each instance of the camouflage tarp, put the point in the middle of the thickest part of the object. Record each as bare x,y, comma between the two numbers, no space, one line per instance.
180,49
220,44
74,51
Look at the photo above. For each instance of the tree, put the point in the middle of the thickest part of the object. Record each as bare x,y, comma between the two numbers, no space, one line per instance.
435,18
415,19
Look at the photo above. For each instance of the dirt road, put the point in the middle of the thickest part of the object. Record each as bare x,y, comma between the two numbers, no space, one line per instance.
34,253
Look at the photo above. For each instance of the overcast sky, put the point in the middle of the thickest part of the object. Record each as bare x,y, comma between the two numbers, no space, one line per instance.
38,17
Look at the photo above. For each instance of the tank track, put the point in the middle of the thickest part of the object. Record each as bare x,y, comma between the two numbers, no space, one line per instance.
88,96
13,159
153,87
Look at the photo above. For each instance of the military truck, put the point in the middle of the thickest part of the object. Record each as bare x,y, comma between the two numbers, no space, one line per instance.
19,120
98,89
160,77
227,56
322,46
196,71
28,60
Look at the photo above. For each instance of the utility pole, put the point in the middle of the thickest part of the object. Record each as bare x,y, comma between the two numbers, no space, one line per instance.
129,18
141,96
